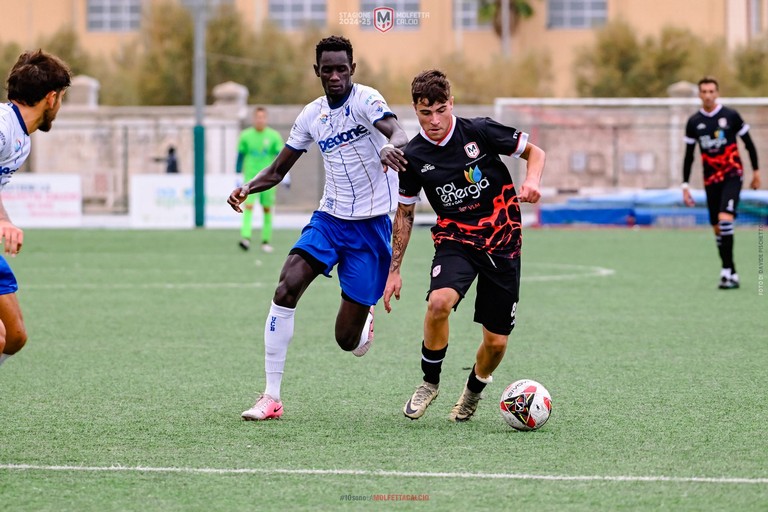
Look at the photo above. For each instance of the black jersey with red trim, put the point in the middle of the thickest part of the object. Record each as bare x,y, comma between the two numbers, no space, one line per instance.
468,185
716,134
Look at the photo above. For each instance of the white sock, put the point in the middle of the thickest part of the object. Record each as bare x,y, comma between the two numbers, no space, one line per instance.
278,333
726,273
3,357
366,327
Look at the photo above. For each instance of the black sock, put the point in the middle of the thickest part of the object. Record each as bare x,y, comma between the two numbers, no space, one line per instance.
432,363
726,244
474,384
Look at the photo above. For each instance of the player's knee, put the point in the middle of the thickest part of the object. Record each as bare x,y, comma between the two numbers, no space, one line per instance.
724,217
440,304
496,344
286,295
347,340
15,340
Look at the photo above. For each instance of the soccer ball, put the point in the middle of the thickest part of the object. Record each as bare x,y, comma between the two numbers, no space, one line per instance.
525,405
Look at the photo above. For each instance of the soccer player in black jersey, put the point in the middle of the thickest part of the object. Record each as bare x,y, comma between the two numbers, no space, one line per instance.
477,236
715,128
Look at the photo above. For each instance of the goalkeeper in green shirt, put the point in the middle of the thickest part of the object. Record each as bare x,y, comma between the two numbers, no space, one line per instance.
257,148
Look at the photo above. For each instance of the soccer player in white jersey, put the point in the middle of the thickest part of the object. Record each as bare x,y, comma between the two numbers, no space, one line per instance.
359,138
35,85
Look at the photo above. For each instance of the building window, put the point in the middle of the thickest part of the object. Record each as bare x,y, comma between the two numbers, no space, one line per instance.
576,13
467,15
297,14
212,5
113,15
407,13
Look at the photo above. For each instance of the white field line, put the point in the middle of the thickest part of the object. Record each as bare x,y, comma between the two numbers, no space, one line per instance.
134,286
381,473
577,272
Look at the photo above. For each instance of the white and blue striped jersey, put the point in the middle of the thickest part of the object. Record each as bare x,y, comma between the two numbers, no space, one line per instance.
356,186
14,142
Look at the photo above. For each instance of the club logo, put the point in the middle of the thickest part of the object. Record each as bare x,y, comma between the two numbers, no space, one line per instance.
428,167
383,18
472,150
722,122
323,118
436,270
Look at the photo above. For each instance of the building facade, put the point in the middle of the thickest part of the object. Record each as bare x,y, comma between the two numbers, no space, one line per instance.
409,34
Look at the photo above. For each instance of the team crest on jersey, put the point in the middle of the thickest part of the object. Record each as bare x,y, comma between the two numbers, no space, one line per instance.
428,167
722,122
323,118
472,150
17,145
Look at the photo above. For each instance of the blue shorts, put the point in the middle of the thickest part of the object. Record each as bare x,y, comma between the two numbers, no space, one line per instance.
361,248
8,282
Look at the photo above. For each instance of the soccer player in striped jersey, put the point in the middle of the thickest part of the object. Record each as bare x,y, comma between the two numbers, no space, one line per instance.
36,85
715,128
359,138
478,234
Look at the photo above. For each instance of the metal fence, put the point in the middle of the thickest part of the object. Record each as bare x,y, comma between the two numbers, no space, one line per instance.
608,144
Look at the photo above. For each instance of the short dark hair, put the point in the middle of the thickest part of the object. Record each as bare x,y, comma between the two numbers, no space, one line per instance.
34,75
333,44
259,109
709,80
432,86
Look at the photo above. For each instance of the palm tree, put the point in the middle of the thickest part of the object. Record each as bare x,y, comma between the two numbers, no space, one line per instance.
497,10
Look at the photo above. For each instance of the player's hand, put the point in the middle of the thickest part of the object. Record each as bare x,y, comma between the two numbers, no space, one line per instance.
13,237
394,284
393,157
529,193
755,184
688,198
237,197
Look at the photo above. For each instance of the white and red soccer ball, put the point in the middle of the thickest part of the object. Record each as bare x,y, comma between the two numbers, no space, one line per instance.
525,405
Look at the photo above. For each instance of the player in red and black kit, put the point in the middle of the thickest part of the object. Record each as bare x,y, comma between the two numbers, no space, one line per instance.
478,232
715,128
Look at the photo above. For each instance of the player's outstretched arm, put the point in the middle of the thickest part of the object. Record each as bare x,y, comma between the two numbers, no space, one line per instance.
392,153
12,236
401,235
535,157
266,179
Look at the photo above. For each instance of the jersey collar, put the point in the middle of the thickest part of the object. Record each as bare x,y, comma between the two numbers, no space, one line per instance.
341,102
444,140
713,113
21,119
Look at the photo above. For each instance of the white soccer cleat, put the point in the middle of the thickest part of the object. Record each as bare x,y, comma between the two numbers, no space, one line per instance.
265,408
363,349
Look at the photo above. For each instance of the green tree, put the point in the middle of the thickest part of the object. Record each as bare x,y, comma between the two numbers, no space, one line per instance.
619,65
752,66
9,54
65,44
602,69
166,44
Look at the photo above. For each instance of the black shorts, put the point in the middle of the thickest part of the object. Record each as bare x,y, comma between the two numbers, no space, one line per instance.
723,197
456,265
